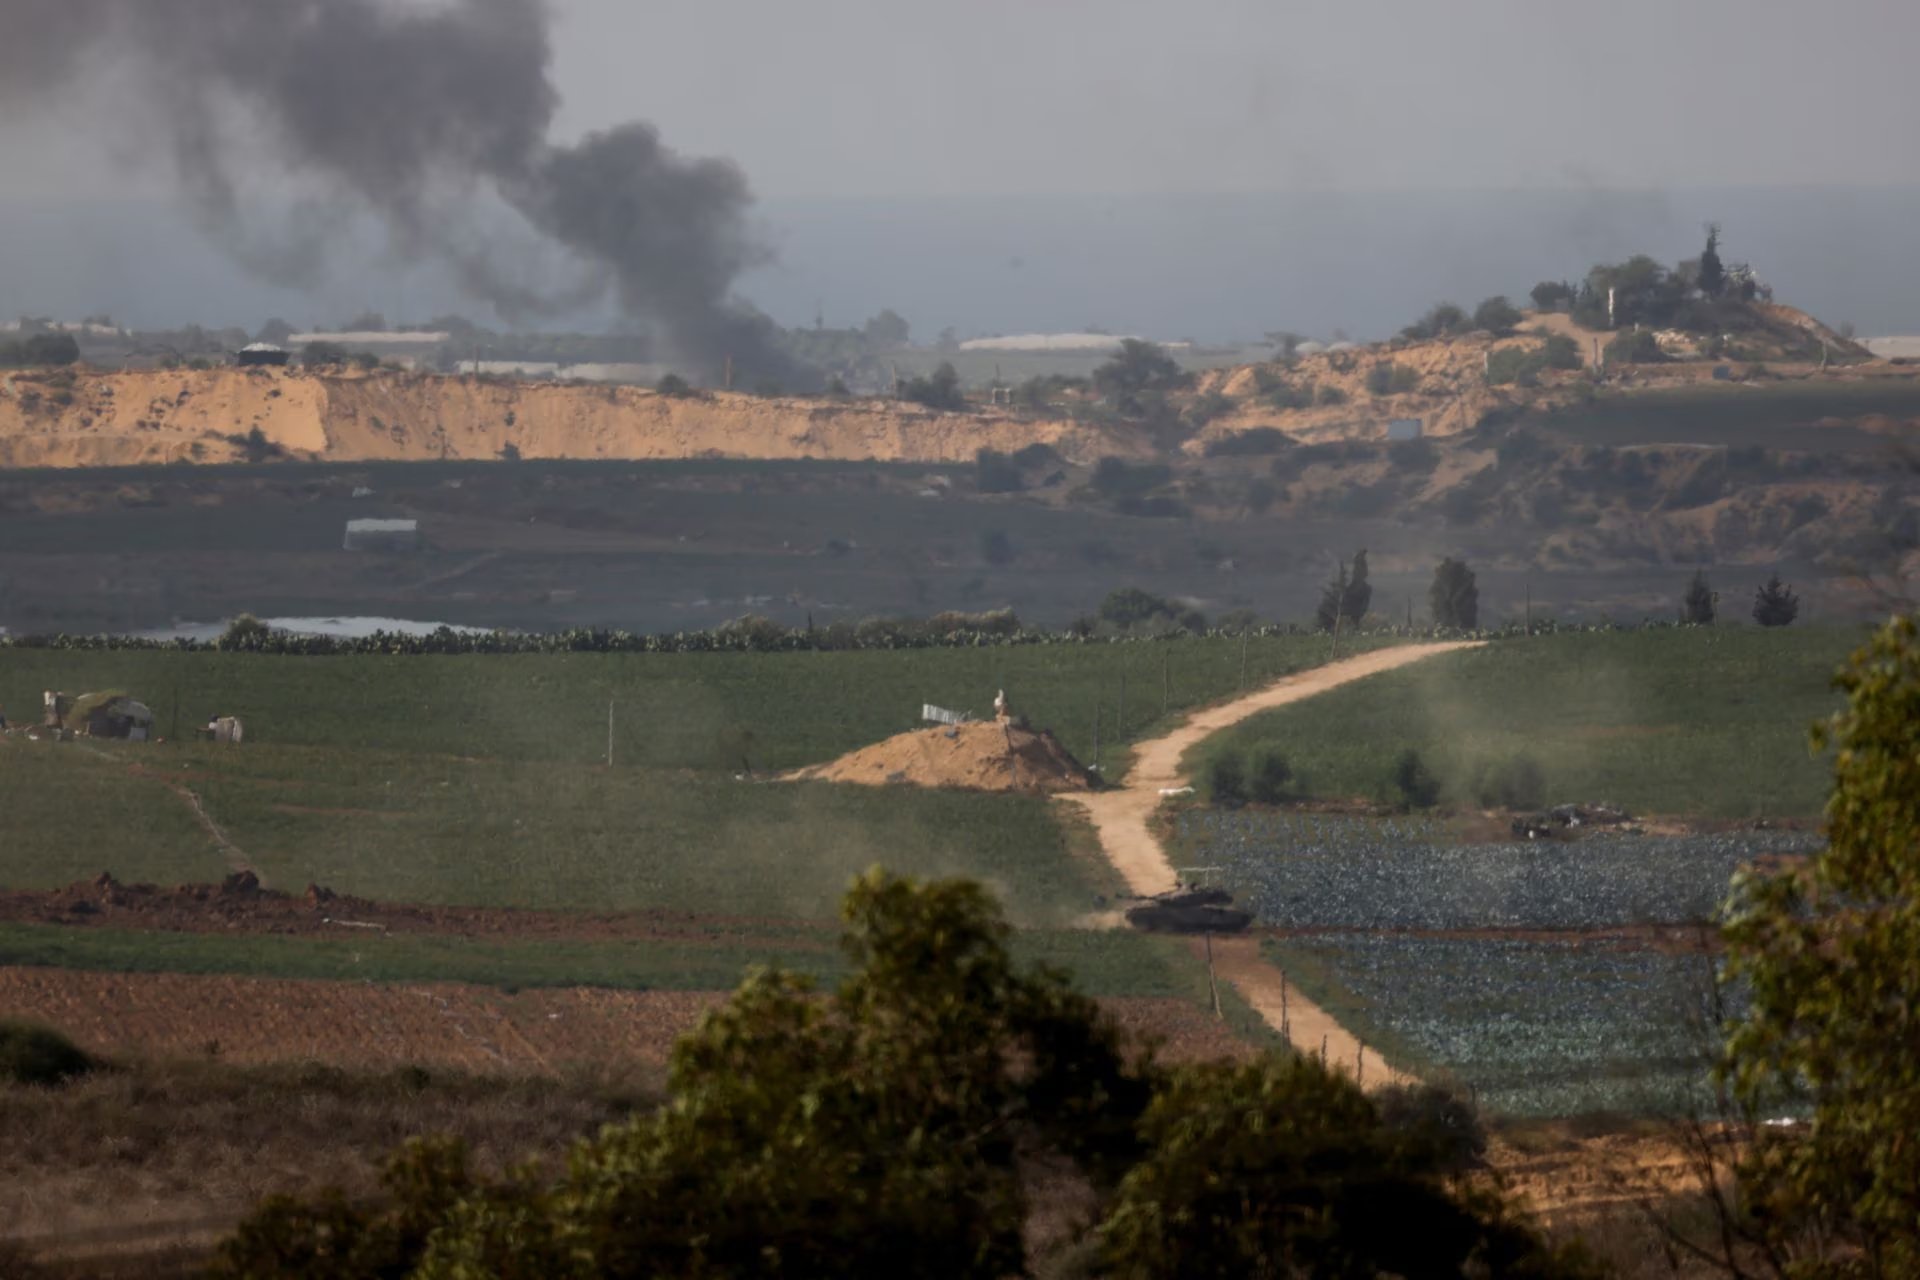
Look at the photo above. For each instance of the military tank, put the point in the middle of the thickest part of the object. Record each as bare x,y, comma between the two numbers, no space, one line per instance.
1189,910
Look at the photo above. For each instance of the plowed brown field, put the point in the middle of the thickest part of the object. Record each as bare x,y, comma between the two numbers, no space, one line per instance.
436,1025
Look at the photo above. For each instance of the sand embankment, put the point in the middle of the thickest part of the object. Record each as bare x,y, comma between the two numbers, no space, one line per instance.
81,418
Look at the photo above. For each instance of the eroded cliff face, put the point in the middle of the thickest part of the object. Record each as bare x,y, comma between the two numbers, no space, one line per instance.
79,418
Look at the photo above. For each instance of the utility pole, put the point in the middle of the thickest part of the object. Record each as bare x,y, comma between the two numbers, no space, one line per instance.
1096,733
1529,608
1243,662
609,733
1213,987
1166,678
1123,706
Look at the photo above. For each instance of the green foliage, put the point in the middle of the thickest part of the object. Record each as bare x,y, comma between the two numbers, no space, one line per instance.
1329,395
1712,276
1413,783
1454,597
672,384
1774,603
1831,953
1138,368
1697,606
35,1055
1664,720
1439,1125
1346,598
1254,442
245,632
996,548
1268,777
1497,315
887,331
1442,319
1634,346
1206,408
323,355
1553,295
1291,395
878,1131
938,390
1130,609
1281,1167
1561,352
58,349
1226,782
1390,378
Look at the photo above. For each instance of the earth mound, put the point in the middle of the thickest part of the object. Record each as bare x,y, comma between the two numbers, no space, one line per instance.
985,755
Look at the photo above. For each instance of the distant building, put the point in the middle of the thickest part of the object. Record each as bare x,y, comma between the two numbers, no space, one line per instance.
1403,429
382,535
260,353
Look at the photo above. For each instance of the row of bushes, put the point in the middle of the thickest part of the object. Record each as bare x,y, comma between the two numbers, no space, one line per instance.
752,635
1264,777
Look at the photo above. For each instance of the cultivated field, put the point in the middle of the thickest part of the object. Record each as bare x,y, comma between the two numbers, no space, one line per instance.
1700,722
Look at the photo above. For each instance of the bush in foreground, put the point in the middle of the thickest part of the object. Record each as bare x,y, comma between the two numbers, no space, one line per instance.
36,1055
883,1130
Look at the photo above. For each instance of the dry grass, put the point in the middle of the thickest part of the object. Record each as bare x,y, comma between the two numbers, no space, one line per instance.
136,1164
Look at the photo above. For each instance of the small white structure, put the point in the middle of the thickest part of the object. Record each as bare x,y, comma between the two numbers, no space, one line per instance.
382,535
1403,429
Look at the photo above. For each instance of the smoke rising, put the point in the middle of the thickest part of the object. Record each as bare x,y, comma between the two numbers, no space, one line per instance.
418,113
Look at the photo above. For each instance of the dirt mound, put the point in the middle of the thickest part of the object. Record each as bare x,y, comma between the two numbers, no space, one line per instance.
986,755
79,418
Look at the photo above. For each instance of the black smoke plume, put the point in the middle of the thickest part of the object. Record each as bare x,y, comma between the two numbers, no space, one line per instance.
416,110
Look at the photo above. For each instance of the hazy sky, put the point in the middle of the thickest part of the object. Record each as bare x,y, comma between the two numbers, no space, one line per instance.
905,97
1213,167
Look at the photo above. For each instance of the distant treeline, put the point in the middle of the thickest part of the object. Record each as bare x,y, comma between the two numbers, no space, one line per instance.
755,635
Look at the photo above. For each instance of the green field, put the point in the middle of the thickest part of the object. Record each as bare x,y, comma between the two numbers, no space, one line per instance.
440,829
1708,722
678,711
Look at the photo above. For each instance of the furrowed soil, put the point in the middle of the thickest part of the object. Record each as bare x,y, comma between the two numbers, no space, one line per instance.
440,1026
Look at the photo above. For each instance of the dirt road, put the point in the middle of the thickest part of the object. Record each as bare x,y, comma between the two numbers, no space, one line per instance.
1123,820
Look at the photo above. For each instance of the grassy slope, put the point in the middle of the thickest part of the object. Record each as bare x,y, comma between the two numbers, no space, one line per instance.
672,710
1709,723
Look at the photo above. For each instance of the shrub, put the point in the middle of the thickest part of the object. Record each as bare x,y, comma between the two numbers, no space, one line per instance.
1113,477
1561,352
36,1055
1330,395
1206,408
1496,314
1513,783
1414,783
1288,396
1391,378
1268,776
1226,782
1637,346
938,390
672,384
1436,1126
995,472
1255,442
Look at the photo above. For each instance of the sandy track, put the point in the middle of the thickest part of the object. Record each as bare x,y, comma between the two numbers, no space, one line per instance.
1123,820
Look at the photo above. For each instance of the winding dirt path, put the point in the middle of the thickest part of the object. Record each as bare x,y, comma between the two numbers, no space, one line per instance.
1123,819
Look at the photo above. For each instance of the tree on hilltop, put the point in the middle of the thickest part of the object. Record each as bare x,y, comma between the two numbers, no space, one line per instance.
1497,315
1711,279
1136,368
